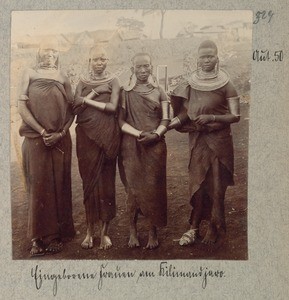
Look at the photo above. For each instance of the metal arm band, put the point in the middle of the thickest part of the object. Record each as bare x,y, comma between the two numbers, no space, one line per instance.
175,123
161,130
96,93
126,128
234,105
62,133
23,98
165,110
92,94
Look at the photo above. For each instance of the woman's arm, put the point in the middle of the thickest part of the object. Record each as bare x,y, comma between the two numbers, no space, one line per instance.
69,94
159,132
211,119
111,106
165,108
179,120
125,127
233,104
162,127
23,110
78,105
67,87
50,139
68,123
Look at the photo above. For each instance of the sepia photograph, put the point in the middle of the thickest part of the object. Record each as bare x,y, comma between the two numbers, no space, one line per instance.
129,134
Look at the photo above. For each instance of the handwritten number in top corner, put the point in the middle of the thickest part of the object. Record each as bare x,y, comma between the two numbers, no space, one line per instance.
263,15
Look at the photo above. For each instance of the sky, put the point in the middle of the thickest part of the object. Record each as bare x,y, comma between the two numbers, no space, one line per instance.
71,21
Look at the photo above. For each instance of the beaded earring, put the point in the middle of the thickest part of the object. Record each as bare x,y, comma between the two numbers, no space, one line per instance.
217,67
199,68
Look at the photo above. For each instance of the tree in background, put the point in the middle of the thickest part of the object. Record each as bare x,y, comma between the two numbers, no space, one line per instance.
156,11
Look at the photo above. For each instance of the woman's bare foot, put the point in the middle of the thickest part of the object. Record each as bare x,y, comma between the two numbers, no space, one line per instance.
105,242
87,242
211,235
153,239
133,236
133,239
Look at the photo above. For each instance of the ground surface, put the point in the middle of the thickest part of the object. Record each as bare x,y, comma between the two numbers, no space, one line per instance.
233,247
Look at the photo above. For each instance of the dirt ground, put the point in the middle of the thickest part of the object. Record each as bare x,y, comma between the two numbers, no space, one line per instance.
232,247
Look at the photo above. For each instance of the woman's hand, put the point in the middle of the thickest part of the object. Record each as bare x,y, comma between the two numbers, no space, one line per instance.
50,139
148,138
78,101
204,119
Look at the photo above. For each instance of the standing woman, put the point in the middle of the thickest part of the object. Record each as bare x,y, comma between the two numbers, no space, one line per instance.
97,144
45,107
205,106
143,118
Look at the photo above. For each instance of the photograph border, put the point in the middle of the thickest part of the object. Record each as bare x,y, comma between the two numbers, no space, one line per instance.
268,152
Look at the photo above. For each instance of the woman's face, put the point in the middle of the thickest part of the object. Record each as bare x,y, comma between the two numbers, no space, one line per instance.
142,67
98,62
207,59
48,56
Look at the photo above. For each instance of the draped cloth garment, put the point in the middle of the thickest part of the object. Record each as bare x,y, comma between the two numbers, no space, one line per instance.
48,169
97,145
143,167
211,165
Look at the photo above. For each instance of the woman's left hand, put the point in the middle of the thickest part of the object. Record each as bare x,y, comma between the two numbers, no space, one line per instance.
78,101
147,138
51,139
203,119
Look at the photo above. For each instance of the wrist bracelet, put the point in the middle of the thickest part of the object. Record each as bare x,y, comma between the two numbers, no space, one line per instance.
126,128
155,132
62,133
96,93
42,132
161,130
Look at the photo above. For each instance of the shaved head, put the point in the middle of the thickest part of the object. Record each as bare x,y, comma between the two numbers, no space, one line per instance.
208,44
49,43
141,54
97,51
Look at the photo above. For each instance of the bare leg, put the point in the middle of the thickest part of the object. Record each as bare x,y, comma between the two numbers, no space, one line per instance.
211,235
196,215
105,242
88,241
190,236
153,238
219,183
133,238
